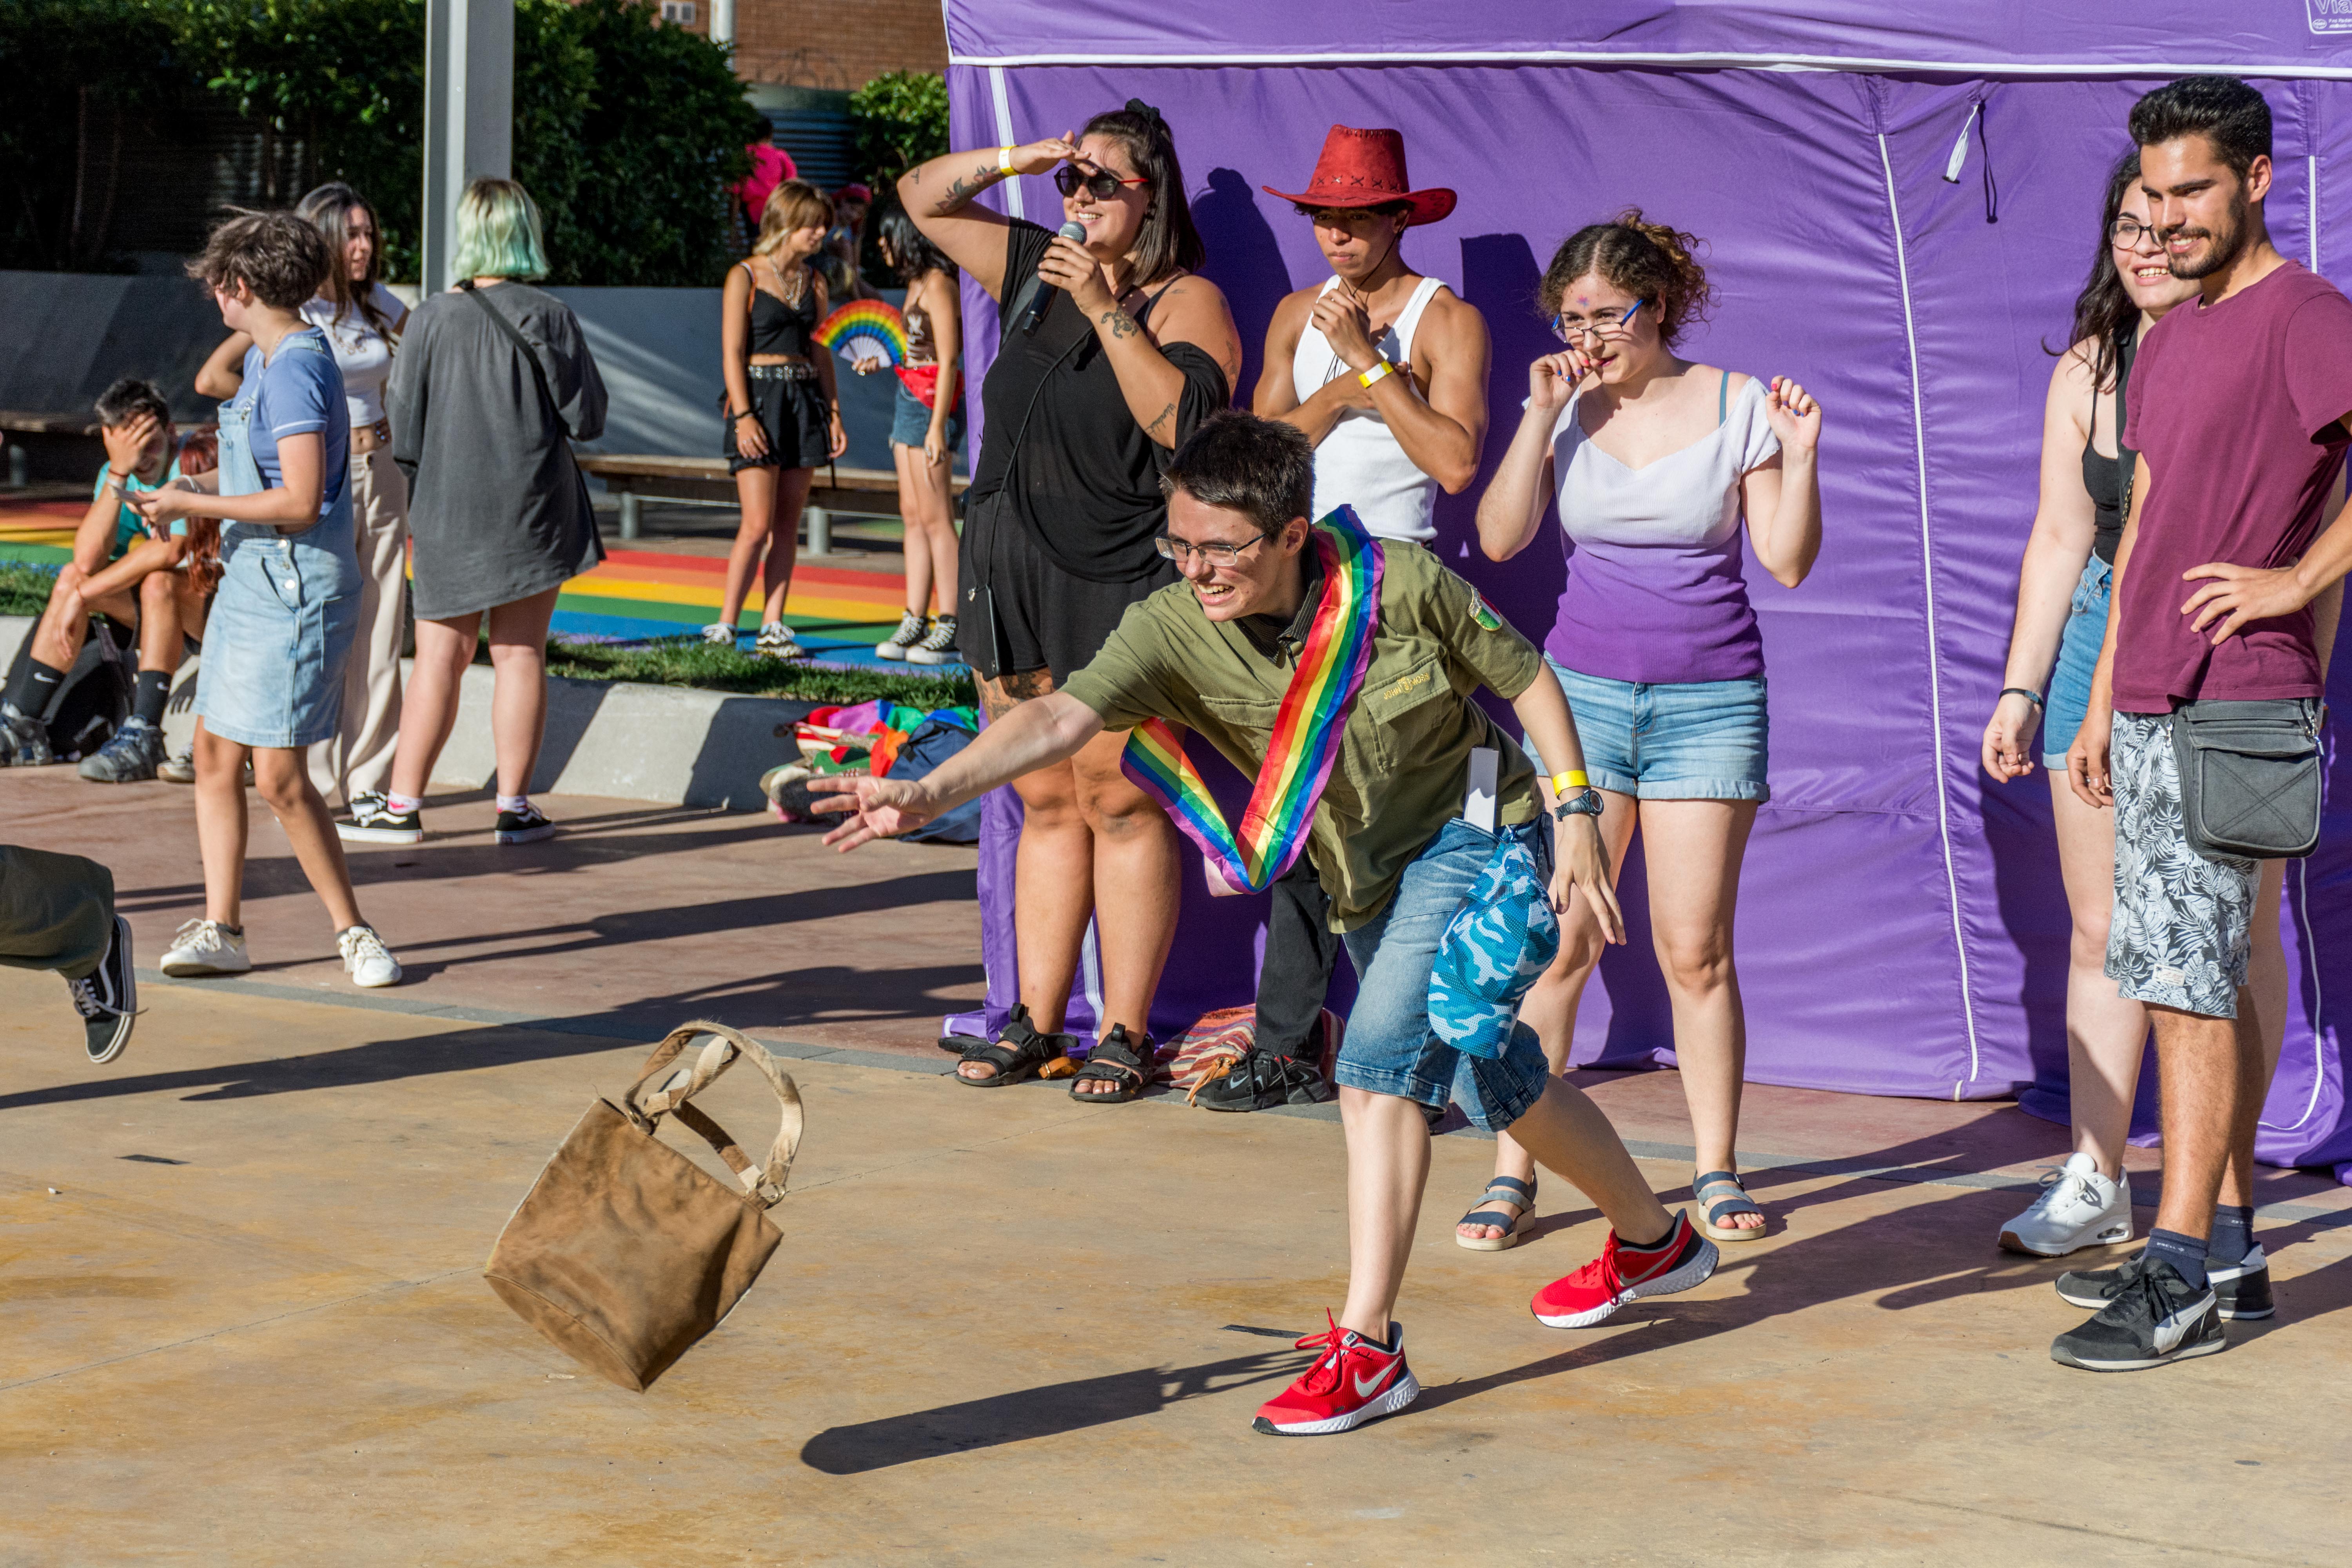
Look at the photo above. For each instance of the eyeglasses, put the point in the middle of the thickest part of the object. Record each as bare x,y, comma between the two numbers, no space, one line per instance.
1215,553
1102,185
2125,233
1609,329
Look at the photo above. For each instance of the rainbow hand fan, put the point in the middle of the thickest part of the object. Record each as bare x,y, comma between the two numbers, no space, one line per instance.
866,332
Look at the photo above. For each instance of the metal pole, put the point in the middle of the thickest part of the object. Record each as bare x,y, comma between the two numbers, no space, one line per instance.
819,523
468,115
722,21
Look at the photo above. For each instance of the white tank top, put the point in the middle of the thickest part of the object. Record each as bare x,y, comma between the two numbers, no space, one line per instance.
1359,464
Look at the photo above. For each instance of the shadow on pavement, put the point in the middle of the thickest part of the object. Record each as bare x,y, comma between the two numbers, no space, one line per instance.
1044,1412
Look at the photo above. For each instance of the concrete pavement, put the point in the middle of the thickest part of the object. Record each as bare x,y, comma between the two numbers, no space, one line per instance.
241,1317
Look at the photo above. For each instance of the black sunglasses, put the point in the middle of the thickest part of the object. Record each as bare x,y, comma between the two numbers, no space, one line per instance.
1102,185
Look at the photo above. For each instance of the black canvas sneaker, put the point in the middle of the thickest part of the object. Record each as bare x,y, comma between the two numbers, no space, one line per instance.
2240,1290
108,999
524,827
373,821
2154,1318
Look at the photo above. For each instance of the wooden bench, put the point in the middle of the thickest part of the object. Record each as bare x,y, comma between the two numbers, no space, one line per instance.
704,481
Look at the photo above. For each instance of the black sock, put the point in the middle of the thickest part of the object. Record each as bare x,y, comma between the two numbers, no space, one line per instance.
37,689
2185,1253
2232,1237
154,688
1673,1230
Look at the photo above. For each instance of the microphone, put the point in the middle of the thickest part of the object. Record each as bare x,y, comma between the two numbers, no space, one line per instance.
1044,299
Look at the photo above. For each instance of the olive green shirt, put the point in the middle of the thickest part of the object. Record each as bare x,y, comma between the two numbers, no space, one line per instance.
1405,757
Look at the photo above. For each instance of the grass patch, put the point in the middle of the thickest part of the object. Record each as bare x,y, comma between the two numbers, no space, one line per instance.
690,661
25,587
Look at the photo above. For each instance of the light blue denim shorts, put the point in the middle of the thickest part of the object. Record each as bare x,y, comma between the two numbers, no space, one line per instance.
1693,740
278,633
2078,655
1389,1046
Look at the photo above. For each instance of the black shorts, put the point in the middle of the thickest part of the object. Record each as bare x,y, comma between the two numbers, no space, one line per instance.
1044,618
793,412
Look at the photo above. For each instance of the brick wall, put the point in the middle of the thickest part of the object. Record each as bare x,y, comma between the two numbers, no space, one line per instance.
839,44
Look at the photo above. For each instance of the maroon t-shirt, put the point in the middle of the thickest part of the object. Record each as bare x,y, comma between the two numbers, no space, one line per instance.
2234,405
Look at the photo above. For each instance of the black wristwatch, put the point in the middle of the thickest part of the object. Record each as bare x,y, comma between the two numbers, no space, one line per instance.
1585,802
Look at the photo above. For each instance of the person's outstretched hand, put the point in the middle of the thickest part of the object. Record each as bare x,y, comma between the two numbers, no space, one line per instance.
876,809
1584,866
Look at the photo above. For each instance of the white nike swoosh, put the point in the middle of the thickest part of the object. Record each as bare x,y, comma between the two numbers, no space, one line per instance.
1364,1389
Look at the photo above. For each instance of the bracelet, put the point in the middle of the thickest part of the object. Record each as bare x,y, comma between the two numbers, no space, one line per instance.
1366,378
2032,697
1004,161
1572,779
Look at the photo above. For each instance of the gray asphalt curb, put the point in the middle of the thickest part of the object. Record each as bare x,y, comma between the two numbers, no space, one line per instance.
667,744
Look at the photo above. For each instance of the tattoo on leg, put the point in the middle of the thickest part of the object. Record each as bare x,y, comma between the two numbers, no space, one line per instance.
1121,323
1152,430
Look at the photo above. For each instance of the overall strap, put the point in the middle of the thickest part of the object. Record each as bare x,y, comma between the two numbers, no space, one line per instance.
1723,399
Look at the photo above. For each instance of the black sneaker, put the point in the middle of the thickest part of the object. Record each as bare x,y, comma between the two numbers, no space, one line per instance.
374,822
2153,1318
24,739
133,754
108,999
524,827
1261,1080
2240,1290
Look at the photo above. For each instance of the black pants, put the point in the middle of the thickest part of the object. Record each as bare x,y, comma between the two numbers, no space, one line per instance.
1301,948
57,912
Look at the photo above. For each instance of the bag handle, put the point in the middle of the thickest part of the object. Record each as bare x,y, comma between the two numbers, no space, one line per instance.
764,1182
522,345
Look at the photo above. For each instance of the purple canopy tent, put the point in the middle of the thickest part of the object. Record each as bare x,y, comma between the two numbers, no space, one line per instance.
1899,207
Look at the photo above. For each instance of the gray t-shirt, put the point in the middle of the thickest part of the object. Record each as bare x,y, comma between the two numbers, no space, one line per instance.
496,506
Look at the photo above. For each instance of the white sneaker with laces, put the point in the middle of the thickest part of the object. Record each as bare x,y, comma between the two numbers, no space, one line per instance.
776,641
365,958
719,633
910,633
938,646
2078,1207
206,947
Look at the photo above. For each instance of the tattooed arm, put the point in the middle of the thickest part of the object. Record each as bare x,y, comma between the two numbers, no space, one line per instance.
1190,311
938,197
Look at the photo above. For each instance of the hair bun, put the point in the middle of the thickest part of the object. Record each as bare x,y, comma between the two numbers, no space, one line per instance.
1149,115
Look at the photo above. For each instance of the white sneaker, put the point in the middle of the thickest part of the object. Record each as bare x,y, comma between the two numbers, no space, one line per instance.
719,634
2078,1207
910,633
938,646
365,959
206,947
776,641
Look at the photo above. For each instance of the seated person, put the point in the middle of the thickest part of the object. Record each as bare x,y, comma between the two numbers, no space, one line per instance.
140,576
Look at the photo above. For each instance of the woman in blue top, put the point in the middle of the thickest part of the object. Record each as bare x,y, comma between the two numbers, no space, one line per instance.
271,681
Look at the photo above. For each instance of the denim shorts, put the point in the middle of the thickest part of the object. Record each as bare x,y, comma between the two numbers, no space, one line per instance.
1693,740
2078,655
279,632
910,421
1389,1046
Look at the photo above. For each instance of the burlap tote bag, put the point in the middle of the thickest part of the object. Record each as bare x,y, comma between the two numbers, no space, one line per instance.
624,1252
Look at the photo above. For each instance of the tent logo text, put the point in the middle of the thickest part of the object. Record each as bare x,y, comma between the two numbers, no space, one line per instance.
2329,15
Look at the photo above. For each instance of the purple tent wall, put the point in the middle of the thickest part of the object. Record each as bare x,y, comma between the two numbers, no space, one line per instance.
1901,927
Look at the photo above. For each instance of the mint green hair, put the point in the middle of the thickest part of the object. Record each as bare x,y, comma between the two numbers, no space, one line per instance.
498,232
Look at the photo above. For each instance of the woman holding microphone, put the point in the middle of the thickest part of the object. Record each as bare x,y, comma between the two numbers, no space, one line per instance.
1114,350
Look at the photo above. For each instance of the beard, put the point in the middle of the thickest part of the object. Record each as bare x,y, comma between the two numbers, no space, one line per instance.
2221,248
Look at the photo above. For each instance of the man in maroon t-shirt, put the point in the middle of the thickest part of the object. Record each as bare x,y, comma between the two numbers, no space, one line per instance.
2239,413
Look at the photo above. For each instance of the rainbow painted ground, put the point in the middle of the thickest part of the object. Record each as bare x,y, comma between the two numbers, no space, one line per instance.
838,615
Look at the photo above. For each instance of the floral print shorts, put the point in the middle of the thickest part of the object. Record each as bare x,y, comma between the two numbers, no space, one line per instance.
2183,923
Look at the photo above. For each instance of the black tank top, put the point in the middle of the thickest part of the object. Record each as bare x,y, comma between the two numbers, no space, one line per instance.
778,328
2103,475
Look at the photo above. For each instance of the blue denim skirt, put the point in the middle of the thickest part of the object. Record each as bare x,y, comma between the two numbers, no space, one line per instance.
2078,657
910,421
1693,740
279,633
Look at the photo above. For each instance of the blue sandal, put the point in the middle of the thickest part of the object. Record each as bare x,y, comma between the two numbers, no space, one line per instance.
1713,1214
1502,1189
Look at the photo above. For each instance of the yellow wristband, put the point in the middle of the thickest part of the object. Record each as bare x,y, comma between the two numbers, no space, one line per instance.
1572,779
1366,378
1004,161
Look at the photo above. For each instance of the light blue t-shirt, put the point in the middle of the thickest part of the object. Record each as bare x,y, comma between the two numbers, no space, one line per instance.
129,528
297,391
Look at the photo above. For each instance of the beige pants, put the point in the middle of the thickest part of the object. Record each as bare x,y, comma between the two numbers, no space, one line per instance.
358,759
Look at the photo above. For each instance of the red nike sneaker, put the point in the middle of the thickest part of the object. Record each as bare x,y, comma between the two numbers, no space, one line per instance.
1620,1274
1354,1381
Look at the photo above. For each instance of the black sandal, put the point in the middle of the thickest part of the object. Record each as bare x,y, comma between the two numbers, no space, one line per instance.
1017,1055
1713,1214
1501,1190
1118,1060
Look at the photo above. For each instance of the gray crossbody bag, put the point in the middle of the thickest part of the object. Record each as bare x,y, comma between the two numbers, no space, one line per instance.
2250,776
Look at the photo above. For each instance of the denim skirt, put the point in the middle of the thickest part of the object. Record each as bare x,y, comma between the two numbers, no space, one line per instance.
2078,657
279,633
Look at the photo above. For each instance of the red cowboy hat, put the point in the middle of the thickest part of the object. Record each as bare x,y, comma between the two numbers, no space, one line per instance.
1366,169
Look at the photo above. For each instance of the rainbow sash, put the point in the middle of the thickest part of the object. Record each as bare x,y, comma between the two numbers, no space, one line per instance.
1306,728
